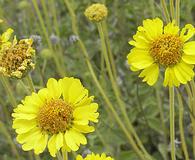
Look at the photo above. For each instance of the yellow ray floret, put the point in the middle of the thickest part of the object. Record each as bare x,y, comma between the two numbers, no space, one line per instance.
94,157
157,47
58,117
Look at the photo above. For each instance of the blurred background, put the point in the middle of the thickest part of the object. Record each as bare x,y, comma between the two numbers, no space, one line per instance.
54,30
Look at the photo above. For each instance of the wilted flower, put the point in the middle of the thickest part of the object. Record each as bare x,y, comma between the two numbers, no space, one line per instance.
96,12
16,58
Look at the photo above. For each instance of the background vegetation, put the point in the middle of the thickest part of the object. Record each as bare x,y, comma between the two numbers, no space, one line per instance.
143,104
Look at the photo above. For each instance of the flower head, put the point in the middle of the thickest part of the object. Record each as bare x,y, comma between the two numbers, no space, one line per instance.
96,12
94,157
57,116
16,58
166,47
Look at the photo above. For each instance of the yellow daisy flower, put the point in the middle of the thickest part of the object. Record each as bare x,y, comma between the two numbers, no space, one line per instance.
94,157
57,117
157,46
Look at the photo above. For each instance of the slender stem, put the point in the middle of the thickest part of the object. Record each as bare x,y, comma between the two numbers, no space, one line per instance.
8,89
116,89
151,4
104,95
172,122
30,83
172,9
178,12
46,16
165,10
42,24
4,131
181,128
160,107
65,155
37,157
192,104
110,54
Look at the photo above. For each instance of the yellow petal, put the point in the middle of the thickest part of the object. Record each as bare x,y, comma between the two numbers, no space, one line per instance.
84,128
54,88
170,78
79,157
30,144
187,32
189,48
6,35
150,74
77,92
189,59
74,139
139,59
65,84
23,126
59,140
24,137
41,144
183,72
87,113
153,27
171,28
52,145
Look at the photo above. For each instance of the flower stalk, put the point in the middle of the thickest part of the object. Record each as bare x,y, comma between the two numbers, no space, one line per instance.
172,122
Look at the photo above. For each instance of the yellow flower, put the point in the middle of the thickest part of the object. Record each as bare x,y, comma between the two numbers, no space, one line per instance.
16,58
157,46
4,38
96,12
94,157
57,117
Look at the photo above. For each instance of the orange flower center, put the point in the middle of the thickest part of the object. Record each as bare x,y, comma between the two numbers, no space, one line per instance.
167,49
55,116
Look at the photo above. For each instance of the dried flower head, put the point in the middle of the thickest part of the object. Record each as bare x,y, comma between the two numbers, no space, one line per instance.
96,12
16,58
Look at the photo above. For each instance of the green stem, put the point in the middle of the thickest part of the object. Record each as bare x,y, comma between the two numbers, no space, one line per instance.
172,9
8,89
116,89
160,107
4,131
192,104
55,57
37,157
177,12
165,11
181,128
151,4
65,155
46,17
104,95
30,83
172,122
110,54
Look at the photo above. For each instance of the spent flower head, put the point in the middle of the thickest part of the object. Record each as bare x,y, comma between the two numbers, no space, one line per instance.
167,47
96,12
58,117
17,58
